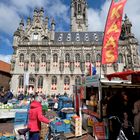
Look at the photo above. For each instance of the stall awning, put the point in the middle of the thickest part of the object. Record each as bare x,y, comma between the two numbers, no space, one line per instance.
122,75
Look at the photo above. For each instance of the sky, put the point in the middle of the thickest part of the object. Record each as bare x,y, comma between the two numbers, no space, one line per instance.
11,12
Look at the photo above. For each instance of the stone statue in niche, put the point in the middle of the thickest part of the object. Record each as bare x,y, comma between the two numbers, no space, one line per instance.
104,67
115,65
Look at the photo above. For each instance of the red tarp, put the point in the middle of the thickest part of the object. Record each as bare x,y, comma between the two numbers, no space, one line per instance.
122,75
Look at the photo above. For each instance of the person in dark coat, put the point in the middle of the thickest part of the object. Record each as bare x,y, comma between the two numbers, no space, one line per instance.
116,106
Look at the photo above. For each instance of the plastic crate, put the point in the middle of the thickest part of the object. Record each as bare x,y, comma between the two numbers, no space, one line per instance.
8,138
58,126
21,115
21,118
69,115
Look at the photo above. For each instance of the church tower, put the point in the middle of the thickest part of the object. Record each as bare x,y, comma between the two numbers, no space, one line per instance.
79,20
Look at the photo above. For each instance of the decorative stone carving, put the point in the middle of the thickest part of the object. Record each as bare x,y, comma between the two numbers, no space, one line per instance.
115,66
47,65
61,66
12,65
104,68
26,62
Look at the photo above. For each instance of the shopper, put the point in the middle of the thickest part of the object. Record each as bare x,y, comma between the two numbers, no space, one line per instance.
35,119
136,112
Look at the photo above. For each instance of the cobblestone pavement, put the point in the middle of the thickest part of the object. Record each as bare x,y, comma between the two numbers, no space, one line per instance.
7,126
85,137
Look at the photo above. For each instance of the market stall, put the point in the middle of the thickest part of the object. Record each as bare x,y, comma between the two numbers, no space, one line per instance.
8,110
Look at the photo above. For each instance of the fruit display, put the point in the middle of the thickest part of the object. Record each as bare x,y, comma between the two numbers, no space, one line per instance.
15,105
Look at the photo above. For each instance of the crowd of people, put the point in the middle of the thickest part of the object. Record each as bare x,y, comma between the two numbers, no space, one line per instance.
116,104
119,104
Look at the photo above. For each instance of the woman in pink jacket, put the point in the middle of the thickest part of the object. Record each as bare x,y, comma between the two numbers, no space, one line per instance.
35,119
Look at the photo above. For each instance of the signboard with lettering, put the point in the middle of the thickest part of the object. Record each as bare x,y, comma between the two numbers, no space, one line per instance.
92,80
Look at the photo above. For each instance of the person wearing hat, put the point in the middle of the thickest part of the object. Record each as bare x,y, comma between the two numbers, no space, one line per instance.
35,118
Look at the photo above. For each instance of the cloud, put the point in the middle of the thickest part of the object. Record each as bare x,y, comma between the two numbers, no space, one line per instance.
12,11
97,18
59,10
9,19
24,6
5,58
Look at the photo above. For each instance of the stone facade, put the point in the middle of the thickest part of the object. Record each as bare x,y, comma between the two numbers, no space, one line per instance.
55,61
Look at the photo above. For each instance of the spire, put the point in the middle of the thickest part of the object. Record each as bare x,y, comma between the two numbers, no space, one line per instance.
46,22
35,12
53,25
41,12
21,24
28,21
127,25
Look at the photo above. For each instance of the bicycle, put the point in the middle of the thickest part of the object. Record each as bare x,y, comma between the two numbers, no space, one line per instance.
122,135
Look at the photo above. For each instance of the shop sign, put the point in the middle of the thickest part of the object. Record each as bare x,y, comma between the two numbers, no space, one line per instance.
92,80
99,130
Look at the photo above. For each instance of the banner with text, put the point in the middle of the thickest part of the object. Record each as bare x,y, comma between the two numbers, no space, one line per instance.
112,32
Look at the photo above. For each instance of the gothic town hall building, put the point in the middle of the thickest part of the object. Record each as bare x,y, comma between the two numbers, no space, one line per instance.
52,62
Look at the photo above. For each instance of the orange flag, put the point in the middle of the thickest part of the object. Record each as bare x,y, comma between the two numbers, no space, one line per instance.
112,32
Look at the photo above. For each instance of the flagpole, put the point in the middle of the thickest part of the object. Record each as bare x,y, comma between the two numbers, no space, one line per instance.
100,85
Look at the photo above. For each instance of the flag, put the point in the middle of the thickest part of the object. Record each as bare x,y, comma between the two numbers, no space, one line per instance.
26,79
112,32
92,69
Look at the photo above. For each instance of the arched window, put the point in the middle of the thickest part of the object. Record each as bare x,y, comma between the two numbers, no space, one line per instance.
21,82
31,80
67,57
43,58
67,80
88,57
54,80
40,82
77,57
98,58
79,8
44,40
25,40
21,58
120,58
33,58
78,80
55,58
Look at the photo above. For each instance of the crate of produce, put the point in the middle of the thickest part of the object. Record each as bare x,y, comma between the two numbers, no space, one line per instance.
67,126
7,138
57,126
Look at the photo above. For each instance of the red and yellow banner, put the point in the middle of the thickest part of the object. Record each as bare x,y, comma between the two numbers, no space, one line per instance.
112,32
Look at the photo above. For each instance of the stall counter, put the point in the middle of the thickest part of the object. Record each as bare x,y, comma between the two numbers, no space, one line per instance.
9,113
